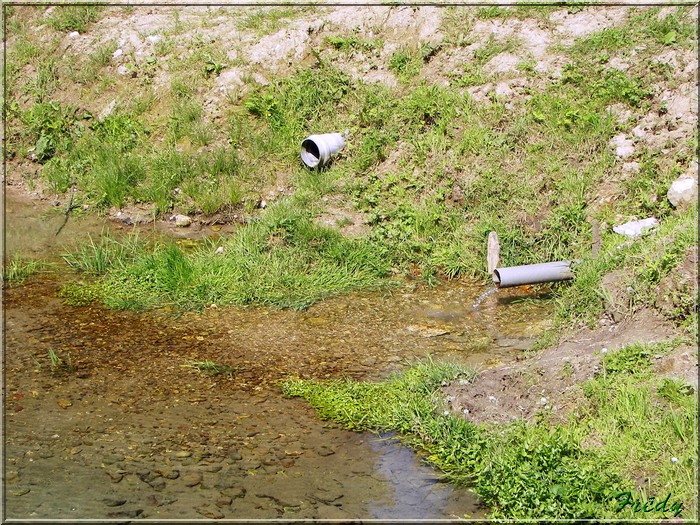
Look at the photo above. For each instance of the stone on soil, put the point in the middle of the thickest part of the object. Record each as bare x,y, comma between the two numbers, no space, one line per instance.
182,221
624,147
683,191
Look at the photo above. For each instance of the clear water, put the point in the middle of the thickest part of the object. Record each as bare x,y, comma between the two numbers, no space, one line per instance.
492,290
134,408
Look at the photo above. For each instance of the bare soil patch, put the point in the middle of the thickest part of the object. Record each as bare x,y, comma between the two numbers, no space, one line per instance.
551,379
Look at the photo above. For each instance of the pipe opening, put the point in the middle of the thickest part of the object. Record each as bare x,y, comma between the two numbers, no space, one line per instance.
496,278
310,153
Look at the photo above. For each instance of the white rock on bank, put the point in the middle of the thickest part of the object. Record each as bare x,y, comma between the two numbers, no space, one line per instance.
107,111
624,147
631,167
683,191
636,228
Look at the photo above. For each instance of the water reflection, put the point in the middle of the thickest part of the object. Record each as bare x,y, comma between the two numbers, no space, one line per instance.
418,492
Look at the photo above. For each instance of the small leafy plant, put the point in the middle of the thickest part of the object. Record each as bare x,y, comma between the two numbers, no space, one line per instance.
212,66
406,63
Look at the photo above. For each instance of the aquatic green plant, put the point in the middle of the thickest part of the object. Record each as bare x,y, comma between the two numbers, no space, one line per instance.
18,269
77,294
211,368
58,365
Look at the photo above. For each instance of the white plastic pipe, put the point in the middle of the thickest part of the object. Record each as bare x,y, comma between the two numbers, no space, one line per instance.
532,274
317,150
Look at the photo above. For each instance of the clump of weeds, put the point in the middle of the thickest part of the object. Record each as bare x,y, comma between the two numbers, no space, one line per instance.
74,17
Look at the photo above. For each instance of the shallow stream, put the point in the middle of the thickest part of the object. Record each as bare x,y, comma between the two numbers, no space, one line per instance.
132,431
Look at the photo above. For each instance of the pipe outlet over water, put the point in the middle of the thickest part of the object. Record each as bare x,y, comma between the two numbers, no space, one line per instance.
533,274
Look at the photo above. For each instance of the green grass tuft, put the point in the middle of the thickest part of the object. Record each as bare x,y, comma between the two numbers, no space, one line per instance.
283,260
645,261
59,365
74,17
267,20
18,269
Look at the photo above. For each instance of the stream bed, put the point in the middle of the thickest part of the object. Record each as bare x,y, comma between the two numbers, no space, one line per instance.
132,430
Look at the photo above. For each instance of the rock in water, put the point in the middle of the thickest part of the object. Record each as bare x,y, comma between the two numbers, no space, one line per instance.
192,478
64,403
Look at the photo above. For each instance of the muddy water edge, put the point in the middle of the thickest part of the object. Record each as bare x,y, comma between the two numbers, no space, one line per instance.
132,431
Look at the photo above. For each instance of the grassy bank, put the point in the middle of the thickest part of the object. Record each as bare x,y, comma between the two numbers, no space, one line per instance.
429,168
641,264
282,260
633,432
